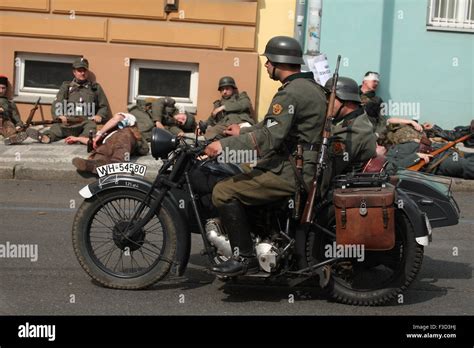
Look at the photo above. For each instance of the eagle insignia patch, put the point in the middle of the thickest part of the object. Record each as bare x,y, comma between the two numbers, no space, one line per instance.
277,109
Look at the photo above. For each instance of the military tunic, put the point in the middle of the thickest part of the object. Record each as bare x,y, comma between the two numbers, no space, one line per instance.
10,117
352,142
295,116
76,99
373,107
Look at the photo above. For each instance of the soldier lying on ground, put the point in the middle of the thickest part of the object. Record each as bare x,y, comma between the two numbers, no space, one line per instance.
166,115
116,142
232,108
407,146
10,122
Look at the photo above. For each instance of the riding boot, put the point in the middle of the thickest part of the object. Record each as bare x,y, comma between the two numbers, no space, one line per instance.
236,226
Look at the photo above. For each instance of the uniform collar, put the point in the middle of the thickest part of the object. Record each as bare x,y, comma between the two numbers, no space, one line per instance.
300,75
354,114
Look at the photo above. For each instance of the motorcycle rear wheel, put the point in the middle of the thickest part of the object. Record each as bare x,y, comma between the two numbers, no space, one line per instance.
381,277
111,257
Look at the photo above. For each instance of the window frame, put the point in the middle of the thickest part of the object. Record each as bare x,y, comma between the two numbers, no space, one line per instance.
189,104
463,10
28,94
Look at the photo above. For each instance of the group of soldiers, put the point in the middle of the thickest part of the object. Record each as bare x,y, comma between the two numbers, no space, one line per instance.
82,113
295,119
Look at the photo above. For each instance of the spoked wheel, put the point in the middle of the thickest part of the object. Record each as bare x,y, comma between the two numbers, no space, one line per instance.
111,252
381,276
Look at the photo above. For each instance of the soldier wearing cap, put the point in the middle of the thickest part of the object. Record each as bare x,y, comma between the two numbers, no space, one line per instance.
10,122
296,116
232,108
81,102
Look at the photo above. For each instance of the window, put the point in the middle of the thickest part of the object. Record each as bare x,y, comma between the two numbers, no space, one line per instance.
454,15
165,79
41,75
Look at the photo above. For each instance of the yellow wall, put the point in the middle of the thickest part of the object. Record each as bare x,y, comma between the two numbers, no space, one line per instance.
275,17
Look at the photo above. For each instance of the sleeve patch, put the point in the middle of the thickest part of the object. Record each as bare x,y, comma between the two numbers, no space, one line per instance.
277,109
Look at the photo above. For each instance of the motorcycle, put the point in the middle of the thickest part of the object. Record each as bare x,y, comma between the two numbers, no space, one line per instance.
130,233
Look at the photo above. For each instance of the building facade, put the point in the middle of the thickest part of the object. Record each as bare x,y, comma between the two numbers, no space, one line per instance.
135,48
423,49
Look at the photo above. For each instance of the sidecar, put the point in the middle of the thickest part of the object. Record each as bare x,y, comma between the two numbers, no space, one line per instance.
432,194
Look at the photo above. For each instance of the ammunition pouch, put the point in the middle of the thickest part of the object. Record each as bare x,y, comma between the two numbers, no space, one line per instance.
365,216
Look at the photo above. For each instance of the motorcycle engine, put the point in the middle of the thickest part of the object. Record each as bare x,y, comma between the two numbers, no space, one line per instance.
217,238
266,255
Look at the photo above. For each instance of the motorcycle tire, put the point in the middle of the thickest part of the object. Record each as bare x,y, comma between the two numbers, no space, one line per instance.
102,220
362,283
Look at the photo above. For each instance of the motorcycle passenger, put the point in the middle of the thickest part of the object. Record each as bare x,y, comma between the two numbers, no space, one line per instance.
296,116
353,140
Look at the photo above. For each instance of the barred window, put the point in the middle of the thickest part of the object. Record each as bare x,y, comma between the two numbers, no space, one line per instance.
453,15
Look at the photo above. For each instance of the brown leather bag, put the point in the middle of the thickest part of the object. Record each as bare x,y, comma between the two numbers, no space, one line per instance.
365,216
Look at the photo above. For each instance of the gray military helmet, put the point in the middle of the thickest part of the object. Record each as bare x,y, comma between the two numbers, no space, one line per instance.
226,81
284,49
346,89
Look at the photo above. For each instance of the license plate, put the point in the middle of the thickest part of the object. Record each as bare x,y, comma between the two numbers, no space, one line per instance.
121,168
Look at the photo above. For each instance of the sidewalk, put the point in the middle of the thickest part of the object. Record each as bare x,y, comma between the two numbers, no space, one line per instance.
33,161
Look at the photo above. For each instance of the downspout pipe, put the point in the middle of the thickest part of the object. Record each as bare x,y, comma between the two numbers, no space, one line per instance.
313,27
300,21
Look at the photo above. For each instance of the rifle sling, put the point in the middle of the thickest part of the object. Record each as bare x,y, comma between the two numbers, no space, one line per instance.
436,163
298,175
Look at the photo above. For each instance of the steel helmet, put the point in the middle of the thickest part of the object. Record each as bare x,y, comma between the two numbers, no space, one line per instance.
346,89
226,81
284,49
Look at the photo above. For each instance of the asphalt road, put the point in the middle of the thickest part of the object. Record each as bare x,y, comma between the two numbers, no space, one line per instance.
42,212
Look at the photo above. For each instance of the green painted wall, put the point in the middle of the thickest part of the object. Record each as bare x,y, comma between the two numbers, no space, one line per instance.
432,69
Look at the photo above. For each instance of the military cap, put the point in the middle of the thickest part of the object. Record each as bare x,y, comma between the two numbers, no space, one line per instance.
3,80
80,63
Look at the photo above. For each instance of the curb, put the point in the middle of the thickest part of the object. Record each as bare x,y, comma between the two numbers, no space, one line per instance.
67,172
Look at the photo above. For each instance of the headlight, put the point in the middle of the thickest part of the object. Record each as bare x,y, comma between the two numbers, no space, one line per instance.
162,143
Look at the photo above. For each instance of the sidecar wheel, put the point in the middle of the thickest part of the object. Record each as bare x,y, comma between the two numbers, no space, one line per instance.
116,260
381,277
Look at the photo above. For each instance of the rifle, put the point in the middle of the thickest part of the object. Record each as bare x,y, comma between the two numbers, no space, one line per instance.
326,133
422,163
29,121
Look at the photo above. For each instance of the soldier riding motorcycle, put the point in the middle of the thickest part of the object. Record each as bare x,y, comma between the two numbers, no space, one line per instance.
130,233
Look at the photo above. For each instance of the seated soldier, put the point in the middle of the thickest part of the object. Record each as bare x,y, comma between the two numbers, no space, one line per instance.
80,105
353,141
116,142
232,108
10,122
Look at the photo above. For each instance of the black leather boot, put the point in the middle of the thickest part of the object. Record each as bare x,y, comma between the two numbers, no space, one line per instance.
234,220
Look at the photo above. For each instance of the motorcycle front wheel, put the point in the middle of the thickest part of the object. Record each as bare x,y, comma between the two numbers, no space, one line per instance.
114,256
381,277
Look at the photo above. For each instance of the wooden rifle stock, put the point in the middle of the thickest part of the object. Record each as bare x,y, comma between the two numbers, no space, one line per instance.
422,163
32,114
307,216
